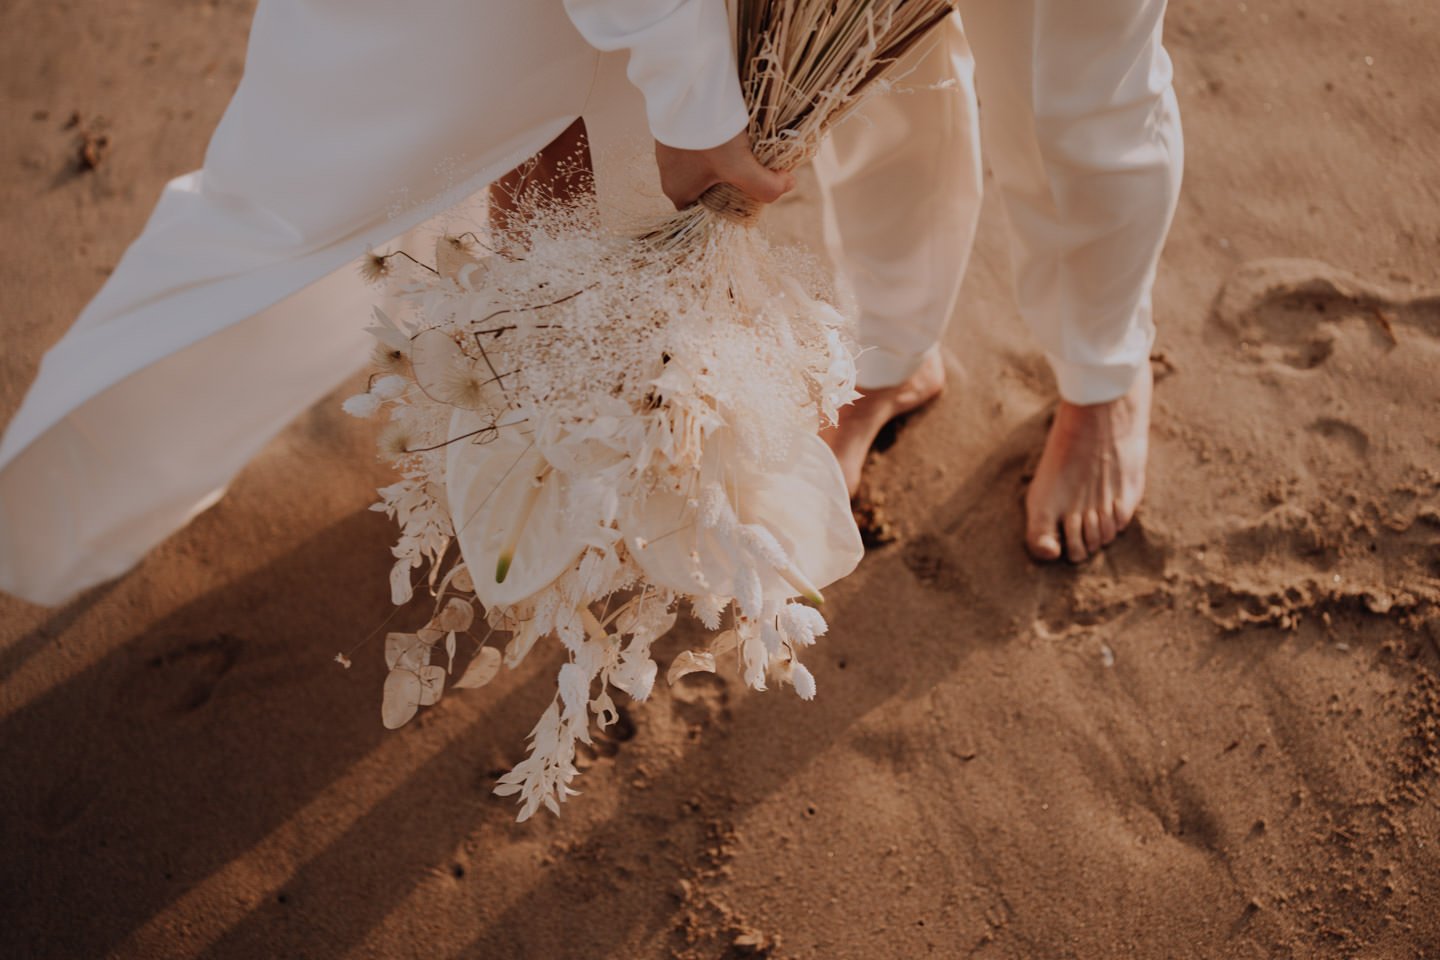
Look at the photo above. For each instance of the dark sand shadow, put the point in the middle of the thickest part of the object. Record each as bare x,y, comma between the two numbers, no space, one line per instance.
141,766
146,760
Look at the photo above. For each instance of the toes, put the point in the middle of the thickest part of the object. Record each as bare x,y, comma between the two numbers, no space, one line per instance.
1124,513
1045,546
1108,529
1040,535
1043,542
1075,538
1090,526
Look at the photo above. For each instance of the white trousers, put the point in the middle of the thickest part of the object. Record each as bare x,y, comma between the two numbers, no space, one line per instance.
1083,135
356,120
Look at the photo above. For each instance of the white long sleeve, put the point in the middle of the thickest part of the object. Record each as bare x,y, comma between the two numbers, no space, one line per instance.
681,59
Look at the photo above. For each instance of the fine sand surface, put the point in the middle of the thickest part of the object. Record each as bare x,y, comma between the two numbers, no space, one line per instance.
1220,739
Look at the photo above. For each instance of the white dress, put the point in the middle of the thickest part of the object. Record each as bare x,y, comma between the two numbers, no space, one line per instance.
238,307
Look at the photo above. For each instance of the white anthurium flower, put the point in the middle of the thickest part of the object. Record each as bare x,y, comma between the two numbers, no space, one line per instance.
594,450
794,528
508,506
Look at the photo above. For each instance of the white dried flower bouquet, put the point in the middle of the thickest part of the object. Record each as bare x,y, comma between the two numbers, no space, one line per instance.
609,425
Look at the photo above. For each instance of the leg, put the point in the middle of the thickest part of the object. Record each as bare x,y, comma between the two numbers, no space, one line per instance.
1084,134
561,173
901,189
238,306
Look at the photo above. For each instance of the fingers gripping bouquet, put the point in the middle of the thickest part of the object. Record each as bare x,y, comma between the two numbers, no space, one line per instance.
610,427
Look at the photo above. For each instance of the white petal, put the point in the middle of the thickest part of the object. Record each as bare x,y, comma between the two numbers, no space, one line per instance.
362,405
520,643
457,616
724,642
803,679
401,698
482,669
679,554
447,375
462,581
432,684
400,589
802,624
385,330
603,707
636,676
688,662
451,257
389,387
406,651
755,658
804,507
486,485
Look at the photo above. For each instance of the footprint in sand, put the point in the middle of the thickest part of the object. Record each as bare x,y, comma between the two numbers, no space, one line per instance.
1342,435
1291,312
1287,530
181,677
606,741
68,800
701,701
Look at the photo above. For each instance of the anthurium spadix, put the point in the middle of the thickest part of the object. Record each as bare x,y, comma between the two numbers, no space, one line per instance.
508,508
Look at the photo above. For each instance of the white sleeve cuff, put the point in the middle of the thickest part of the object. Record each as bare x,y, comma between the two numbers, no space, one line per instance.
682,60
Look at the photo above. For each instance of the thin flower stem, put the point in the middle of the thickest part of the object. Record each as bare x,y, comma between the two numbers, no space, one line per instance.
471,235
486,499
407,256
486,357
492,429
540,306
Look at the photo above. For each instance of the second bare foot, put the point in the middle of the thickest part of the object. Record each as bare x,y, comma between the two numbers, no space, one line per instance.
1091,475
861,422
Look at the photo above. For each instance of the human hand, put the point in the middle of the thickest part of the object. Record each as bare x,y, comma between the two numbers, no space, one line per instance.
685,174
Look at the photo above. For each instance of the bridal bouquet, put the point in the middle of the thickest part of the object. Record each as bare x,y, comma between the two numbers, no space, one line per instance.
609,427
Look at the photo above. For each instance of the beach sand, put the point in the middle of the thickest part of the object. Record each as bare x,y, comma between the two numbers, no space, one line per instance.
1219,739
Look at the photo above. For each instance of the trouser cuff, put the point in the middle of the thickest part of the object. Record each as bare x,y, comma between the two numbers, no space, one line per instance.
878,368
1082,383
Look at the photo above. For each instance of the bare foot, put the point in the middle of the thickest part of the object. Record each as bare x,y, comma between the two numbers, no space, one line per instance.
1091,475
861,421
